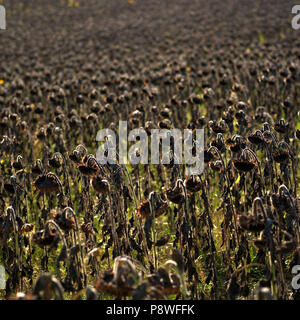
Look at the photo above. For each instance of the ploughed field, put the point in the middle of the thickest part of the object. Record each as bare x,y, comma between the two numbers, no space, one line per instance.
73,228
